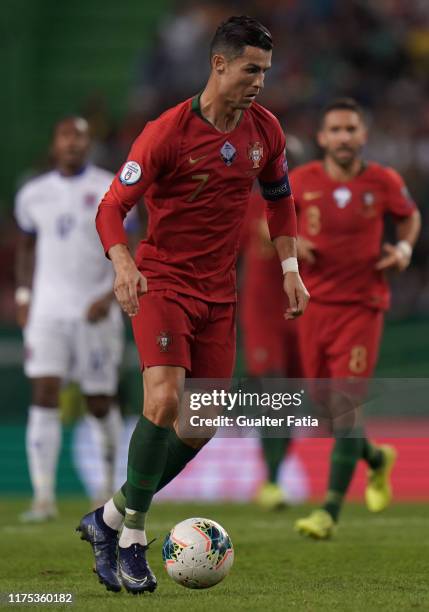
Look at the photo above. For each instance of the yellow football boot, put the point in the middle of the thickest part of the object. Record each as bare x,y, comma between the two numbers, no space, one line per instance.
318,525
271,497
378,493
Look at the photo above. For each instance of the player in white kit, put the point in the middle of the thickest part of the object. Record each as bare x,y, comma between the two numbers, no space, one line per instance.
71,323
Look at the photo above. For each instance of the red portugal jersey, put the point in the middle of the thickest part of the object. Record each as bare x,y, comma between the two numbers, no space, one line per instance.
345,221
196,182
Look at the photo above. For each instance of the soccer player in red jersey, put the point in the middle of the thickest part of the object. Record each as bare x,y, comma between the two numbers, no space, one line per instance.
195,165
270,342
341,204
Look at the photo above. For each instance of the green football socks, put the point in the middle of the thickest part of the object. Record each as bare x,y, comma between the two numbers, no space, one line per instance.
372,455
178,455
120,499
147,456
134,519
274,451
345,455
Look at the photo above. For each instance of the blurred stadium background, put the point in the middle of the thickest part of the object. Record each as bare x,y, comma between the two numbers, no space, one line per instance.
122,64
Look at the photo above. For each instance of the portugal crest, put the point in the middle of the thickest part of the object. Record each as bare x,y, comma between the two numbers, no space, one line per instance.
368,208
255,153
164,340
368,198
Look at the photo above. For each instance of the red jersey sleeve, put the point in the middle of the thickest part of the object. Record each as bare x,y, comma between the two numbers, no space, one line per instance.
275,188
149,157
398,199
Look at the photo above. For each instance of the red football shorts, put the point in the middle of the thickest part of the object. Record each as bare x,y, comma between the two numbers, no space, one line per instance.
270,342
179,330
339,341
271,347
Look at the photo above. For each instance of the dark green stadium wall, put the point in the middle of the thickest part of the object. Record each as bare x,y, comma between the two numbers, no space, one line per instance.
54,53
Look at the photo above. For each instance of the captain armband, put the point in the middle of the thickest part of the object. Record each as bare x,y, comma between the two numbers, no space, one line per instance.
276,190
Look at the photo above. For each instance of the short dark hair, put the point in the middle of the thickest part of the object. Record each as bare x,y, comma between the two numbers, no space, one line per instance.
66,119
238,32
349,104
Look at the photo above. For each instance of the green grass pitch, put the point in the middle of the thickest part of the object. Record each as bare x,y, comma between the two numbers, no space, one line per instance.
374,563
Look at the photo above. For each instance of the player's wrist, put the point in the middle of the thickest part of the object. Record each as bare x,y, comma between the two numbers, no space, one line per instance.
120,256
405,249
290,264
118,250
22,296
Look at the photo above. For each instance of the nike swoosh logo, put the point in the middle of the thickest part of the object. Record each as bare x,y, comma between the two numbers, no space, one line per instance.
137,581
312,195
196,160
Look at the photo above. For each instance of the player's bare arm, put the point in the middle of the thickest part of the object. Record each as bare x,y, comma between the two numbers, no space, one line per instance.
129,282
398,256
99,309
293,286
24,268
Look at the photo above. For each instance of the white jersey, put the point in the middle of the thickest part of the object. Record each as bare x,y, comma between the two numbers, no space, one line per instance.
71,270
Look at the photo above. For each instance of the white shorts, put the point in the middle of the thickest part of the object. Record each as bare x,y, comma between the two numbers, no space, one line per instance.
87,353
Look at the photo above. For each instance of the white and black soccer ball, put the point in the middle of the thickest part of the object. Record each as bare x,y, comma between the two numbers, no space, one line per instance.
198,553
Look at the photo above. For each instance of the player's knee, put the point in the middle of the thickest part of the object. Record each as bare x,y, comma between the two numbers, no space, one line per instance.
343,411
46,392
197,443
161,405
98,405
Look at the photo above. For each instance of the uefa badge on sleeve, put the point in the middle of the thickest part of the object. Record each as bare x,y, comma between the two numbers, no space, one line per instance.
255,153
131,173
228,153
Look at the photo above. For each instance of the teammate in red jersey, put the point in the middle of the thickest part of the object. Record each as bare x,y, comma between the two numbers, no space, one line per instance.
270,342
266,333
341,204
195,165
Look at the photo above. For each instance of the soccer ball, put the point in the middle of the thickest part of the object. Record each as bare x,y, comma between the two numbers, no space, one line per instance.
198,553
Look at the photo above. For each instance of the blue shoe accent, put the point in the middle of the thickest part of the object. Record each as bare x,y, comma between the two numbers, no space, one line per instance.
135,573
104,542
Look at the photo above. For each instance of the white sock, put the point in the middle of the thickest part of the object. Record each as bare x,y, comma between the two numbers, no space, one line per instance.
132,536
106,434
111,515
43,441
